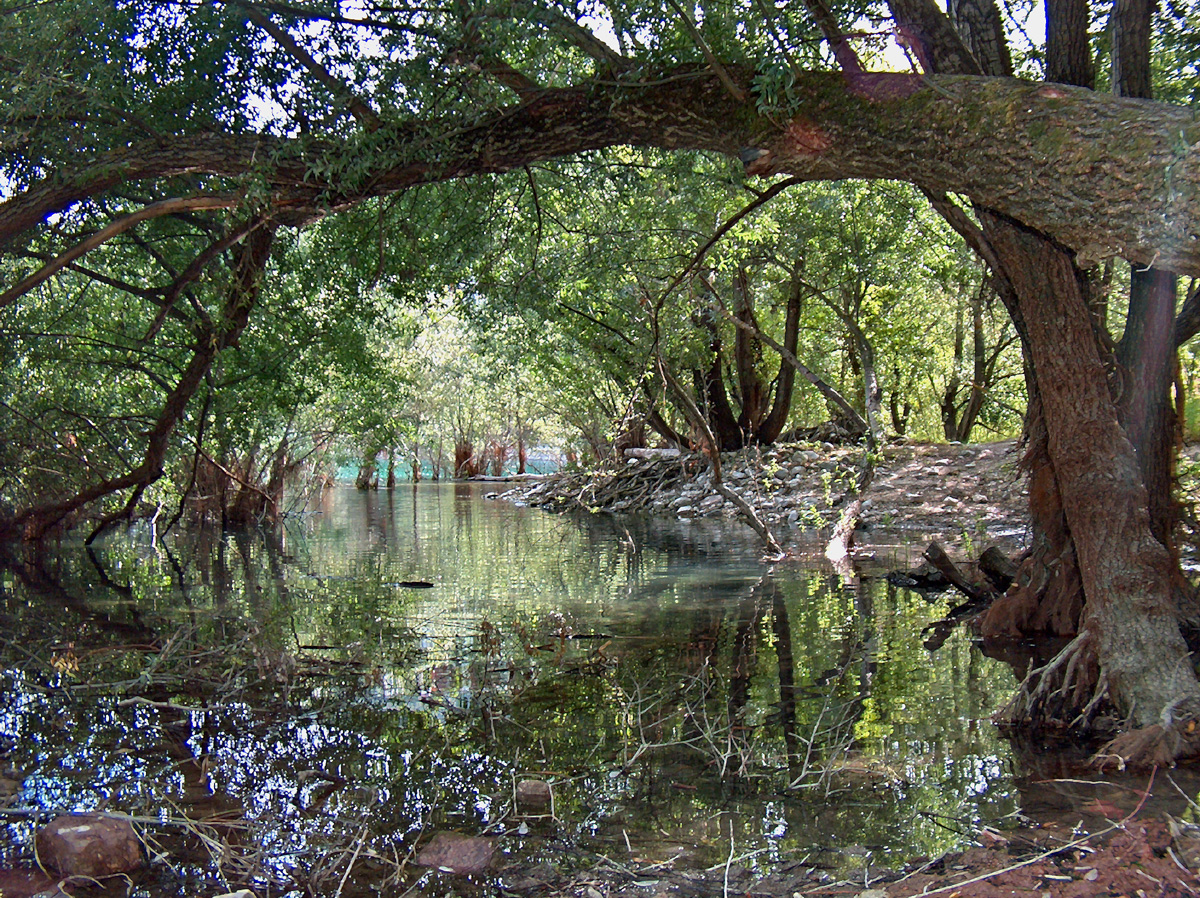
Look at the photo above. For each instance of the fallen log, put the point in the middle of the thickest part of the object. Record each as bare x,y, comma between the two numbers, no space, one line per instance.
981,593
652,453
999,569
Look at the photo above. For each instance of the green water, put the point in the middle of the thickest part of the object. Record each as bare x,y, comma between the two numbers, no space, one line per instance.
302,703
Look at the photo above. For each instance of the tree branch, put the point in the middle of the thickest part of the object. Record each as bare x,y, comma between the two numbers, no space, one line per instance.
719,70
838,130
154,210
367,117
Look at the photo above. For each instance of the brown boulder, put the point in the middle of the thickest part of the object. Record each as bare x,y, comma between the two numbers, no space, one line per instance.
89,845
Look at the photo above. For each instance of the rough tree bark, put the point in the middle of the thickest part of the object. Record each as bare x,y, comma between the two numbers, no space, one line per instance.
1045,155
1091,514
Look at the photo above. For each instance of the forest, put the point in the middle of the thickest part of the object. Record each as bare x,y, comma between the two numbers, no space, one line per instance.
248,243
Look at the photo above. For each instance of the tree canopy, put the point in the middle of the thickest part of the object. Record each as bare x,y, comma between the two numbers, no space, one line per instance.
142,142
197,196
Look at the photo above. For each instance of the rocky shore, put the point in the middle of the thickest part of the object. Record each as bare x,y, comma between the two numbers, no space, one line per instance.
966,496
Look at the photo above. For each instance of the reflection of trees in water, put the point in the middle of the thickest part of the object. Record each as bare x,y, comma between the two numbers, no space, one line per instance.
57,598
715,676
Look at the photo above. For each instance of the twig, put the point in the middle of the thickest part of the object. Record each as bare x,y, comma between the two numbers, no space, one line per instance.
358,844
728,860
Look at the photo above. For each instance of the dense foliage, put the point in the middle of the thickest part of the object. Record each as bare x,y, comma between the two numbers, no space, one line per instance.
432,323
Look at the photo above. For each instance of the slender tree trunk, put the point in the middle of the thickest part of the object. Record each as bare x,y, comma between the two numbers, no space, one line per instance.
980,373
953,383
1146,355
747,360
1148,366
785,383
872,392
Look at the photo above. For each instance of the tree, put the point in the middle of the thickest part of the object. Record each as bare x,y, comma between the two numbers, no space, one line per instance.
335,110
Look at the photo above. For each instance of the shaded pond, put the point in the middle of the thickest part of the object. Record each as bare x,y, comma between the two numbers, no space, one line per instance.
299,713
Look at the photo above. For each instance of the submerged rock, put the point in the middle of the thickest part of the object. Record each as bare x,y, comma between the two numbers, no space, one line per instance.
533,795
89,845
456,853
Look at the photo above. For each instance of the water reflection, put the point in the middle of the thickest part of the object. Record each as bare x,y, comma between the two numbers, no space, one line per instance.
301,699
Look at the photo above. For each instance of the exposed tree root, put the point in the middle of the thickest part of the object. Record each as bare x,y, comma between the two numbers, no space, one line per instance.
1071,687
1070,694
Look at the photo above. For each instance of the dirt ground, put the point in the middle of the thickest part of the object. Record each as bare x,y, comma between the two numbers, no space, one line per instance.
952,493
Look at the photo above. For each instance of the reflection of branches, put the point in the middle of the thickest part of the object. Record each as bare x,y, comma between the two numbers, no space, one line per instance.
831,734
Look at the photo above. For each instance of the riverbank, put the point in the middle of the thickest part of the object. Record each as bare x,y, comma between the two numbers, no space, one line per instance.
967,496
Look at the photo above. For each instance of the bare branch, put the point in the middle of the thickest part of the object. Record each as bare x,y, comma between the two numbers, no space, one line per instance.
713,63
567,28
828,23
760,199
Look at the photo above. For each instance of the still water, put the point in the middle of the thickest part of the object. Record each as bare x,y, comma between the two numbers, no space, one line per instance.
299,713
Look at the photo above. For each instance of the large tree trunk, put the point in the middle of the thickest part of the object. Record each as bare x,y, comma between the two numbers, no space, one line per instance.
1091,512
1131,640
1048,156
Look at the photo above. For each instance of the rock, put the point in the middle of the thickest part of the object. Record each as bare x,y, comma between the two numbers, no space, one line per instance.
533,795
26,883
89,845
456,853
